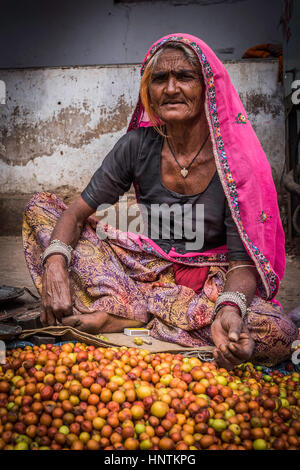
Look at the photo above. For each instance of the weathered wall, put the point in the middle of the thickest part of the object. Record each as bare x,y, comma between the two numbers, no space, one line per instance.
72,32
59,123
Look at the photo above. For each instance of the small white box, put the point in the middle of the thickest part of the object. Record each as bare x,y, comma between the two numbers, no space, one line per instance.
136,332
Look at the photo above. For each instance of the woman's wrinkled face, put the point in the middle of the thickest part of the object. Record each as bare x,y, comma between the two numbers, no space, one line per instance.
175,88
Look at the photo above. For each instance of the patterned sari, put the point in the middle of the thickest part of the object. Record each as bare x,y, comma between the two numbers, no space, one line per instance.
119,277
134,278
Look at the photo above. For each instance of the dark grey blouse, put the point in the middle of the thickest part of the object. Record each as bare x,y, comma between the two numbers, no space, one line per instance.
136,158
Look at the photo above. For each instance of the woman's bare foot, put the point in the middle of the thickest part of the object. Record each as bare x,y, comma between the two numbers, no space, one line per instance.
100,322
89,322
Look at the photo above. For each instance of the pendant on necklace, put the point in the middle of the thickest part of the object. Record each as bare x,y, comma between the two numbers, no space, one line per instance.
184,172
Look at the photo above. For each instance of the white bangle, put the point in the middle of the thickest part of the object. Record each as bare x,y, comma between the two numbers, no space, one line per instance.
59,242
57,247
236,297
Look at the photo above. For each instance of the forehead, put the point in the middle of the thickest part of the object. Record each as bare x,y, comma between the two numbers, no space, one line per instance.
172,59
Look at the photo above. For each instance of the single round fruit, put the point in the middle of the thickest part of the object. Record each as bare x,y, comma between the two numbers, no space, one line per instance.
260,444
144,391
159,409
219,425
139,428
145,444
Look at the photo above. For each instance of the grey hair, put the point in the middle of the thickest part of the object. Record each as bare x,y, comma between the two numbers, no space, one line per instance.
187,51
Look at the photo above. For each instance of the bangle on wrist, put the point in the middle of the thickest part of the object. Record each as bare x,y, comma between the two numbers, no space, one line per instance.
238,300
57,247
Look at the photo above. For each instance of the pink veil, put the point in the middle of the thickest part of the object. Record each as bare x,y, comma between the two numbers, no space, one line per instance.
242,165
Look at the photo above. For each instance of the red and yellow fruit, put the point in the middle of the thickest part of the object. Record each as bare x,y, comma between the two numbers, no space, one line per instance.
80,397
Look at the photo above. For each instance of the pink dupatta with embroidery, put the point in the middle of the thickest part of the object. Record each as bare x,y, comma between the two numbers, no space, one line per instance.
243,168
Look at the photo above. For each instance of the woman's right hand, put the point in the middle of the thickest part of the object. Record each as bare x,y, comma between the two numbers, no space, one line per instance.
56,291
232,339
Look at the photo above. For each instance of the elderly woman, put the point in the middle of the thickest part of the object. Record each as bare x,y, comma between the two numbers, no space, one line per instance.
189,143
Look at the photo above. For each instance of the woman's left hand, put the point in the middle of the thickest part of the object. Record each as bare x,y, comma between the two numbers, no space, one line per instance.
232,339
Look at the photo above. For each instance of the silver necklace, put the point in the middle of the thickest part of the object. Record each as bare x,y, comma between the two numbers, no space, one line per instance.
185,170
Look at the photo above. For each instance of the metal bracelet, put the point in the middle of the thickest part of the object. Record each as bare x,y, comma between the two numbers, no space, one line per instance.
236,297
59,242
54,249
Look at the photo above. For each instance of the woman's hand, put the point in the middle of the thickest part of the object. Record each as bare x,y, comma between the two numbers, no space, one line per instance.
232,339
56,288
56,291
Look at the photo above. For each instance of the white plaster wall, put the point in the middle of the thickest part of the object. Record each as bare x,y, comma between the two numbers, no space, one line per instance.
71,115
58,124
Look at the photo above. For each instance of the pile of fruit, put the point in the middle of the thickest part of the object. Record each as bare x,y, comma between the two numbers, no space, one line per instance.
75,396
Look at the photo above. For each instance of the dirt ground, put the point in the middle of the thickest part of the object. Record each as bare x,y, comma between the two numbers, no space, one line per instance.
14,272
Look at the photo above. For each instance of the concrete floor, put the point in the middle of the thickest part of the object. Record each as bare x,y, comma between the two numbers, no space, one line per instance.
14,272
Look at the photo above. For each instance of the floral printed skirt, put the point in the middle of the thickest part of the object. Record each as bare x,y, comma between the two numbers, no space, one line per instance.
116,276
